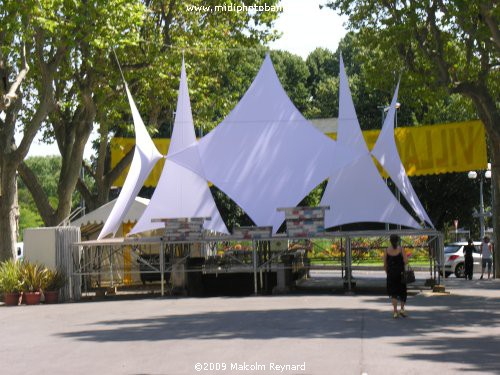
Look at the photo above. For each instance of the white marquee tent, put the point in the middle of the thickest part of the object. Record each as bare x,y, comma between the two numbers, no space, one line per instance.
357,193
145,157
181,192
100,215
265,154
386,152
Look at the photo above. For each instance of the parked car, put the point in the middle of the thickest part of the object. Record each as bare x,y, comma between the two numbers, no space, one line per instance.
454,260
19,251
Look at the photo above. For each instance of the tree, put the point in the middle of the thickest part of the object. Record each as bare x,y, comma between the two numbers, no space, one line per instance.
46,169
57,40
21,34
439,45
323,83
73,82
293,74
218,48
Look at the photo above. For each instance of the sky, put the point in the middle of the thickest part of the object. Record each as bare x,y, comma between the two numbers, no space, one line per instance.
304,28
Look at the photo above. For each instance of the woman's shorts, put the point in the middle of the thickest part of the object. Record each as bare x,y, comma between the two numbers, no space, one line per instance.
487,262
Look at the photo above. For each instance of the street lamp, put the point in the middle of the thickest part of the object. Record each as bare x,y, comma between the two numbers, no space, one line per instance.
384,109
482,175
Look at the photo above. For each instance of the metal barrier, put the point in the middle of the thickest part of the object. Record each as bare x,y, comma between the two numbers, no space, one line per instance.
100,258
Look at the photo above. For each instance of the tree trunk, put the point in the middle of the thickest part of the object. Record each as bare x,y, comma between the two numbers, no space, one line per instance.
103,181
8,212
488,113
495,183
72,144
36,190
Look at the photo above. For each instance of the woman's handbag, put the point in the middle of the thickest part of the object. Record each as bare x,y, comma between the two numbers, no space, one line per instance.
408,275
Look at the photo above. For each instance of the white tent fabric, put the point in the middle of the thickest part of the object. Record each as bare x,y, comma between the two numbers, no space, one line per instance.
145,157
265,154
358,193
99,215
181,192
386,152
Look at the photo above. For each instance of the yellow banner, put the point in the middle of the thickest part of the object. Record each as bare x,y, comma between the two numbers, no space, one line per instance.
429,149
121,146
443,148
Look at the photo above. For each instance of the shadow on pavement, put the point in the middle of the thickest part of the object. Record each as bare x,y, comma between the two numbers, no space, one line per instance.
475,353
443,329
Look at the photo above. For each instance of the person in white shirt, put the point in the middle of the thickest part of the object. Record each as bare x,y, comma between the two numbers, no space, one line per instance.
486,255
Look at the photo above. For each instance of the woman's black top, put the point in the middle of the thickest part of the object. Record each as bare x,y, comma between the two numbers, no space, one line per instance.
468,251
395,267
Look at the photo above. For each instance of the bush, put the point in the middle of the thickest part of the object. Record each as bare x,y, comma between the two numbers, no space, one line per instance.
33,276
10,277
54,280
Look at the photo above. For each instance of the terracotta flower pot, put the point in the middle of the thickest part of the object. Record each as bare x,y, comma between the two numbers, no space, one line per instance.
32,298
51,296
11,299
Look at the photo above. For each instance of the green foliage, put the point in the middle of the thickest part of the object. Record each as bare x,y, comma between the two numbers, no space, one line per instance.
10,277
446,56
372,84
218,48
54,280
293,74
28,218
323,65
222,52
368,250
29,277
451,196
436,46
325,100
232,214
314,197
47,169
33,276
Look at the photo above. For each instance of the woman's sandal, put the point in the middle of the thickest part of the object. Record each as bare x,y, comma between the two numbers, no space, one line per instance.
403,314
395,315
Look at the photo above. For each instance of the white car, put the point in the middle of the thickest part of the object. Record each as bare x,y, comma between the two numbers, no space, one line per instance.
454,261
19,251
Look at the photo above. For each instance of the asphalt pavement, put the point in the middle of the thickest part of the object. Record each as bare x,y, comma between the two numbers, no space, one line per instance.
329,333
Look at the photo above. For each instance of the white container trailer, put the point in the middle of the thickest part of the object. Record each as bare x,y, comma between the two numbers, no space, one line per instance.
54,248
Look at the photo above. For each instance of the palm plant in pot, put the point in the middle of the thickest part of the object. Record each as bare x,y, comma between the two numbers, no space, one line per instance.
33,276
54,281
10,282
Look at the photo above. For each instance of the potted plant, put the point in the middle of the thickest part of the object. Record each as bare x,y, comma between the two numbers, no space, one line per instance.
10,282
33,276
54,281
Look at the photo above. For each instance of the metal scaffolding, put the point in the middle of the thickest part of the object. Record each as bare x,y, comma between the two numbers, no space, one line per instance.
260,261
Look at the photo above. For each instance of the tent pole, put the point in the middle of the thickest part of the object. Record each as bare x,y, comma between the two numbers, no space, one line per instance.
254,253
111,266
441,257
342,257
349,262
162,267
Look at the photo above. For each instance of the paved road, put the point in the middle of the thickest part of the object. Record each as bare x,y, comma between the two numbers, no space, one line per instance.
319,334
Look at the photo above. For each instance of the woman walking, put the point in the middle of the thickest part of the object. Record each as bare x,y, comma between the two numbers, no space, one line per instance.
394,264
